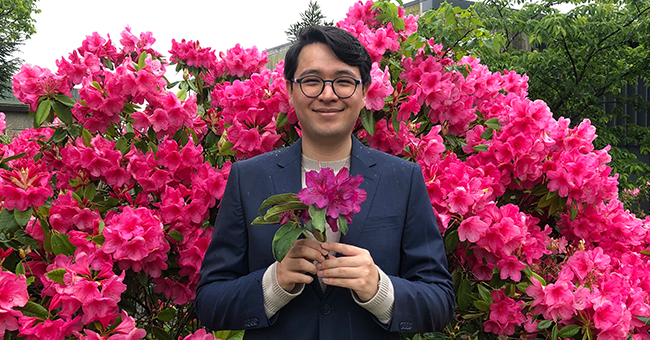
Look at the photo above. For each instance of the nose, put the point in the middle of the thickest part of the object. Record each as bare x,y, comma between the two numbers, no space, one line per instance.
328,91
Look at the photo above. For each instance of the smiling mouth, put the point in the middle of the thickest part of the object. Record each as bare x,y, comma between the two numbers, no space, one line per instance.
329,111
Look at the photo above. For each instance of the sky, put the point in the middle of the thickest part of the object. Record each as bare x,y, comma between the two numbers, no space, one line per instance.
63,24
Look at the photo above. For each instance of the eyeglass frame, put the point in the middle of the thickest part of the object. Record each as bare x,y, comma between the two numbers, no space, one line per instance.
356,84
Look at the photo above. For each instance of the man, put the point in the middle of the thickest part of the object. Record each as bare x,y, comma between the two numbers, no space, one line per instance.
389,273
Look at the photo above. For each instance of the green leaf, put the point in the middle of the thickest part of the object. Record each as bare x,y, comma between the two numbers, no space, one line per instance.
554,332
59,135
463,295
493,123
260,220
482,305
181,94
121,145
20,268
343,224
33,309
481,147
166,314
318,217
281,120
568,331
158,332
487,134
284,207
544,324
68,101
90,191
142,60
22,217
484,293
368,121
283,239
530,273
61,245
176,235
277,199
451,241
42,112
522,286
99,239
7,221
63,112
11,158
56,275
87,136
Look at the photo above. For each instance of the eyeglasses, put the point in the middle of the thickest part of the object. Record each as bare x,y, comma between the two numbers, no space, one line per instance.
312,86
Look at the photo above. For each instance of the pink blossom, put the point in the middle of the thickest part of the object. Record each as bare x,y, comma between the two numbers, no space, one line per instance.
380,88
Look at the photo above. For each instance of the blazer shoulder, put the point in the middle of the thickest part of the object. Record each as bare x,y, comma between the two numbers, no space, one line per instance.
385,160
264,160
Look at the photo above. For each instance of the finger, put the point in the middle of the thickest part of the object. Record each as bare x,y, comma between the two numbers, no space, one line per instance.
341,248
343,272
298,265
306,251
360,261
310,243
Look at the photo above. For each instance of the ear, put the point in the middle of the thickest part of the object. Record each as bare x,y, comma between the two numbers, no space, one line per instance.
289,86
364,92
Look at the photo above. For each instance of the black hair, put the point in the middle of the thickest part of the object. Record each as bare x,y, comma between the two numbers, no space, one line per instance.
344,45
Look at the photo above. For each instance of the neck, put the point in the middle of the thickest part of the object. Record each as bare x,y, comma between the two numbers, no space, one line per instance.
327,152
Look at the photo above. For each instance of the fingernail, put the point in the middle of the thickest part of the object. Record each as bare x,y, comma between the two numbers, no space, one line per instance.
320,273
318,265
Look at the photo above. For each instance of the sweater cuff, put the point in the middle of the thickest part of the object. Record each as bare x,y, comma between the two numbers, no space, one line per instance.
275,297
383,303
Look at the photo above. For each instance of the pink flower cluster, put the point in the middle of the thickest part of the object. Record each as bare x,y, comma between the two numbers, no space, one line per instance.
135,238
3,123
27,183
505,314
99,160
339,194
31,83
380,88
13,293
248,111
236,62
505,238
360,21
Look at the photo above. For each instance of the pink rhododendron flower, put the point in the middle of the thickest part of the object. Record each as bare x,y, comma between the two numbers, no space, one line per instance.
505,314
13,293
3,123
200,334
339,193
33,82
380,88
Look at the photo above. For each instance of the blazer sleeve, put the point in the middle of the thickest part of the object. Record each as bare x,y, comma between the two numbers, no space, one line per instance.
228,295
424,297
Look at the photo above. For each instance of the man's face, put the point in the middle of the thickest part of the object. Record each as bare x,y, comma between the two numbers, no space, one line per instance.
326,118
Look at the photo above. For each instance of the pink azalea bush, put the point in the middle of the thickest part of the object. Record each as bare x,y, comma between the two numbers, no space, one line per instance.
107,204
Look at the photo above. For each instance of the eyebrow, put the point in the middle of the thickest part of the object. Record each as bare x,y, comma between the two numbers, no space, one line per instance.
313,71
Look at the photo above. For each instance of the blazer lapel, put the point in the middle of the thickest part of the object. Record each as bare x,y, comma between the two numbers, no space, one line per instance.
361,163
286,175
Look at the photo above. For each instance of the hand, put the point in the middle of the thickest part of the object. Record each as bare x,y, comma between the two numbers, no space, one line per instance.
299,261
356,271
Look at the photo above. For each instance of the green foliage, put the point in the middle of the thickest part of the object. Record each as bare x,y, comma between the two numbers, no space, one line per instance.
16,25
310,17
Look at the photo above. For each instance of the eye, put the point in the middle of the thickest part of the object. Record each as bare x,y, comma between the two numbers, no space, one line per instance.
344,81
311,81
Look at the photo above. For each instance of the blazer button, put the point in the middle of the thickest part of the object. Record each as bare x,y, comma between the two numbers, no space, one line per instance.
325,309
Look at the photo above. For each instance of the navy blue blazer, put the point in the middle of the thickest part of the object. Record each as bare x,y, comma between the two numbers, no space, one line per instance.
396,225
